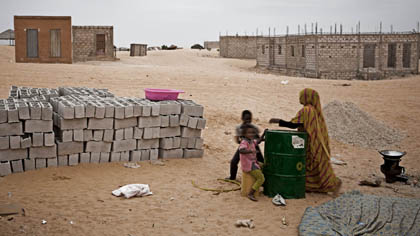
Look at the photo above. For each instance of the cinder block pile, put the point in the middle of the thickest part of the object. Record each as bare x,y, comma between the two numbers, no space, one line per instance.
93,126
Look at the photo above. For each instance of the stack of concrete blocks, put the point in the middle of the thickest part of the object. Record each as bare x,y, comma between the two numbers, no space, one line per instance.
32,94
192,123
26,136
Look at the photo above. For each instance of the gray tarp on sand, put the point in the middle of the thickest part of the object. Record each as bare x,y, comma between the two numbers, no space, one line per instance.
355,213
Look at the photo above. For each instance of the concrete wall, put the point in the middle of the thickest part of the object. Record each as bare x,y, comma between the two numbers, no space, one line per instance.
84,43
337,56
238,46
43,24
211,44
138,49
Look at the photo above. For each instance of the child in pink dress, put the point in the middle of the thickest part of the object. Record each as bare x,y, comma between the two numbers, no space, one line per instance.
248,156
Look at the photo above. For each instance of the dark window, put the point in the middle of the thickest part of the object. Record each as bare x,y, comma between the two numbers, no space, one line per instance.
55,43
279,49
303,50
369,55
406,55
263,49
100,44
392,55
292,49
32,43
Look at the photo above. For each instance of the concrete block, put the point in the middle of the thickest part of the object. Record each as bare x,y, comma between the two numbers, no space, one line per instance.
5,168
151,121
128,133
14,142
124,145
145,155
87,135
119,134
191,143
17,166
192,122
98,135
40,163
105,123
4,142
201,124
184,142
84,157
79,111
137,110
42,152
155,110
32,126
151,133
52,162
78,135
71,124
25,142
109,111
89,110
154,154
8,129
93,146
174,120
138,133
135,156
147,143
128,111
104,157
172,153
23,111
29,164
170,132
199,143
37,139
164,121
13,154
99,111
95,157
69,148
63,160
125,156
125,123
66,135
115,156
49,139
146,110
170,108
46,111
176,142
65,109
12,115
190,108
108,135
190,133
193,153
166,143
183,120
74,159
119,112
3,114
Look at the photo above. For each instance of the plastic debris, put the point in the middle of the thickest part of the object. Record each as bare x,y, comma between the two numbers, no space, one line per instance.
133,190
278,200
43,222
245,223
284,82
335,161
132,165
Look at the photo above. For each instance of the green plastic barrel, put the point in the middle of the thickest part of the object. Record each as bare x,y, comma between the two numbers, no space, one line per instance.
284,169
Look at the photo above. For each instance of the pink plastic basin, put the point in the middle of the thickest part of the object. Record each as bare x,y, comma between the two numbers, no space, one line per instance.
162,94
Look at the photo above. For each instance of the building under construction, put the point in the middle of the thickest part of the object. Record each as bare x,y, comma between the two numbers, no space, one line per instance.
340,56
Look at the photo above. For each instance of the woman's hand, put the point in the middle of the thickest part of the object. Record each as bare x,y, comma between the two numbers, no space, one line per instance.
274,120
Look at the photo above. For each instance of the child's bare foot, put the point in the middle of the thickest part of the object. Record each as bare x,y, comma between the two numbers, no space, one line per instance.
338,188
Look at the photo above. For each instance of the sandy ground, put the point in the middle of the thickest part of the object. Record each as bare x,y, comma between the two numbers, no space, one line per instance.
225,87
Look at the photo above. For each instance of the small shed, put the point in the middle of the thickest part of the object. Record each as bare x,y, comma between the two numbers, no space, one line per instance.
8,35
138,49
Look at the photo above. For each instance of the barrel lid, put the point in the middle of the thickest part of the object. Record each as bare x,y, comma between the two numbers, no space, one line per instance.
285,131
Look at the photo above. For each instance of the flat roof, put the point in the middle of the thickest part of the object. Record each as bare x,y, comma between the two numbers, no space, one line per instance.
44,17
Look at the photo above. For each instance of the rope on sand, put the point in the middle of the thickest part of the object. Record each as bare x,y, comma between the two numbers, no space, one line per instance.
220,190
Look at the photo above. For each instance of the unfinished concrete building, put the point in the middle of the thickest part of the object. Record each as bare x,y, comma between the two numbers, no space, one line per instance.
138,50
211,45
242,47
340,56
43,39
93,43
